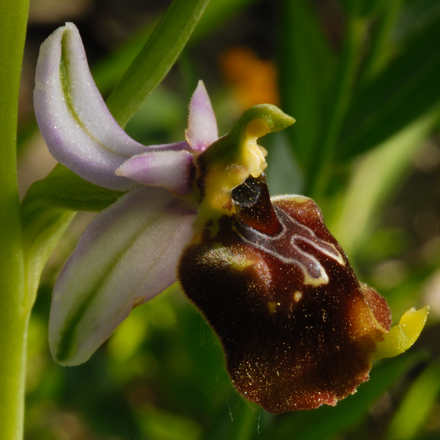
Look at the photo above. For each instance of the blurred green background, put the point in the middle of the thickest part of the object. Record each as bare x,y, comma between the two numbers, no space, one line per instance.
362,78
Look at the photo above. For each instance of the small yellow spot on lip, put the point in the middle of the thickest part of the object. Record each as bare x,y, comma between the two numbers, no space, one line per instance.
272,307
297,295
300,199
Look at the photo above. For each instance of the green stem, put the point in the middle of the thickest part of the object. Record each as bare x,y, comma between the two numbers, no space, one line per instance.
14,315
320,165
156,58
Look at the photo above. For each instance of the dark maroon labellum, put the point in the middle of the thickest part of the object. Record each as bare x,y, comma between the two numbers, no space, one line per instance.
296,325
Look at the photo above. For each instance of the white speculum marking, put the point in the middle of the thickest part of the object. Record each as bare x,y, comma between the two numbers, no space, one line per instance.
284,246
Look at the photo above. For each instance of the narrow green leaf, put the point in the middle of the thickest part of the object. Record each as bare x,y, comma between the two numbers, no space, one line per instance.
156,58
63,189
417,404
41,233
416,15
373,182
403,92
381,44
322,159
110,70
306,65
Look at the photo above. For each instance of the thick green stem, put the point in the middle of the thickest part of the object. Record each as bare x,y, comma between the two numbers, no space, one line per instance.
13,346
14,315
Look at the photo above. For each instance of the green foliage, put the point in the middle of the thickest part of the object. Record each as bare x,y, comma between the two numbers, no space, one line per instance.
405,90
155,59
416,406
365,102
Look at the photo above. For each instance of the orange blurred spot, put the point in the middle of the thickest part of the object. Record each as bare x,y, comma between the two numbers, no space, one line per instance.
253,81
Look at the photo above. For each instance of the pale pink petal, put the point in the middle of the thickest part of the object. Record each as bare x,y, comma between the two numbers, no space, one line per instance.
175,146
202,125
73,118
168,169
127,255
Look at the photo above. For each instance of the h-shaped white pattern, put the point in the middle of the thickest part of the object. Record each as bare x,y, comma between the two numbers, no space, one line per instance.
294,232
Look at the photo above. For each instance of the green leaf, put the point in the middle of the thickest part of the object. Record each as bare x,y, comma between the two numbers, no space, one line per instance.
322,159
382,39
110,70
160,424
63,189
156,58
327,421
374,180
306,65
417,404
400,94
42,232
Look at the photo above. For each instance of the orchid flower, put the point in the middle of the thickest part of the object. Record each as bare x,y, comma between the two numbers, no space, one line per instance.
297,327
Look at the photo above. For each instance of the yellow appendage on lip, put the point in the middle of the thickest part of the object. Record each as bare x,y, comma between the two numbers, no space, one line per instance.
402,336
230,160
254,156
